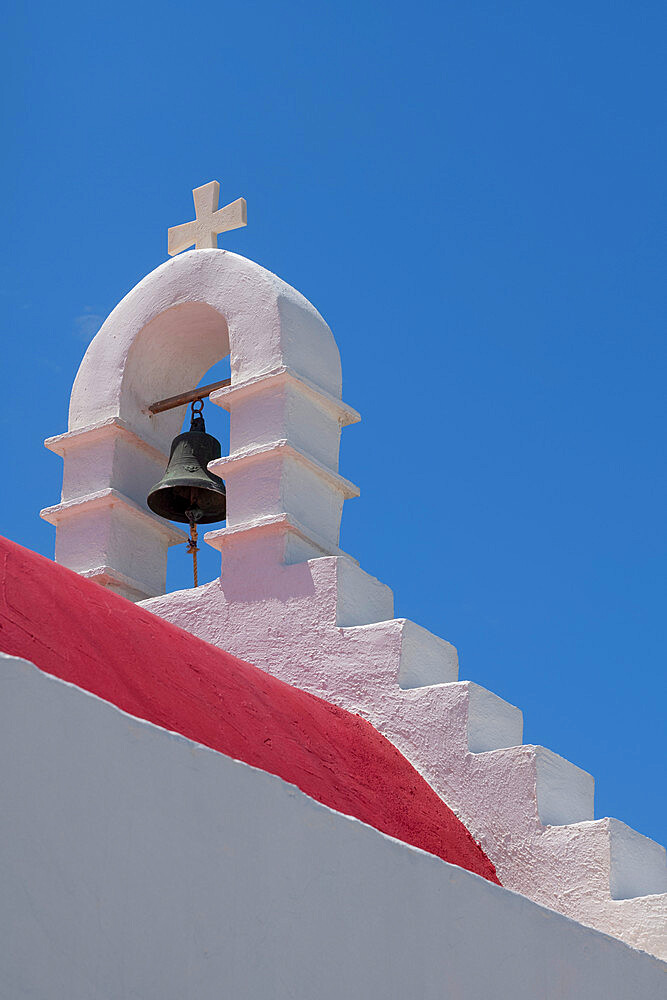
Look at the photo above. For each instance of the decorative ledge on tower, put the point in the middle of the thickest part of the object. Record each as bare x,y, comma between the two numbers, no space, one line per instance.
281,473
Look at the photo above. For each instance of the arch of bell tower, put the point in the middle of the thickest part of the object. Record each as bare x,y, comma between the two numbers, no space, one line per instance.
286,415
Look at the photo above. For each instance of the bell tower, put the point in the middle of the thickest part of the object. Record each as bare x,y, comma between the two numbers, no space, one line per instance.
284,399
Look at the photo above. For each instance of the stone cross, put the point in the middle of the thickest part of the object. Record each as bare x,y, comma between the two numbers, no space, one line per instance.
209,222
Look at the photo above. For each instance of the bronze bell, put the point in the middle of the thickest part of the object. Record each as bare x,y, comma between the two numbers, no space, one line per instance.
188,492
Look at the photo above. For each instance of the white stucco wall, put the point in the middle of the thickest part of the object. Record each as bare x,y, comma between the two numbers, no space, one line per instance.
326,626
136,864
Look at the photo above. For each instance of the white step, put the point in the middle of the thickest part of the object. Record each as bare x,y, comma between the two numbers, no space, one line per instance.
492,722
638,865
361,599
565,792
426,659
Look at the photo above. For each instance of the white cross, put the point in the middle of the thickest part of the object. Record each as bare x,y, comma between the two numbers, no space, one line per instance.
210,220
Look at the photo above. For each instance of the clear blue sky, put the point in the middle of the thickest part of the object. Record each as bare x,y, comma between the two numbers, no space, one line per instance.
473,195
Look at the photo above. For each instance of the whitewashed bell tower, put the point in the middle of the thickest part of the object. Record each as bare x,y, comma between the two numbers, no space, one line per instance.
286,412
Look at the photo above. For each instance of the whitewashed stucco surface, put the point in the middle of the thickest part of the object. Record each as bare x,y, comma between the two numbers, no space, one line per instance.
138,865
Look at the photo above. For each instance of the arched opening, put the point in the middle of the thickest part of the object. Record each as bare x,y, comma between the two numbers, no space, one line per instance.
170,354
183,347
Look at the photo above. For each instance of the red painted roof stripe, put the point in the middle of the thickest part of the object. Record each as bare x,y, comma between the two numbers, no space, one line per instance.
78,631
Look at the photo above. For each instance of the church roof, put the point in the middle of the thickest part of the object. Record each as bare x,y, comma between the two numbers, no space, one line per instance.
86,635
